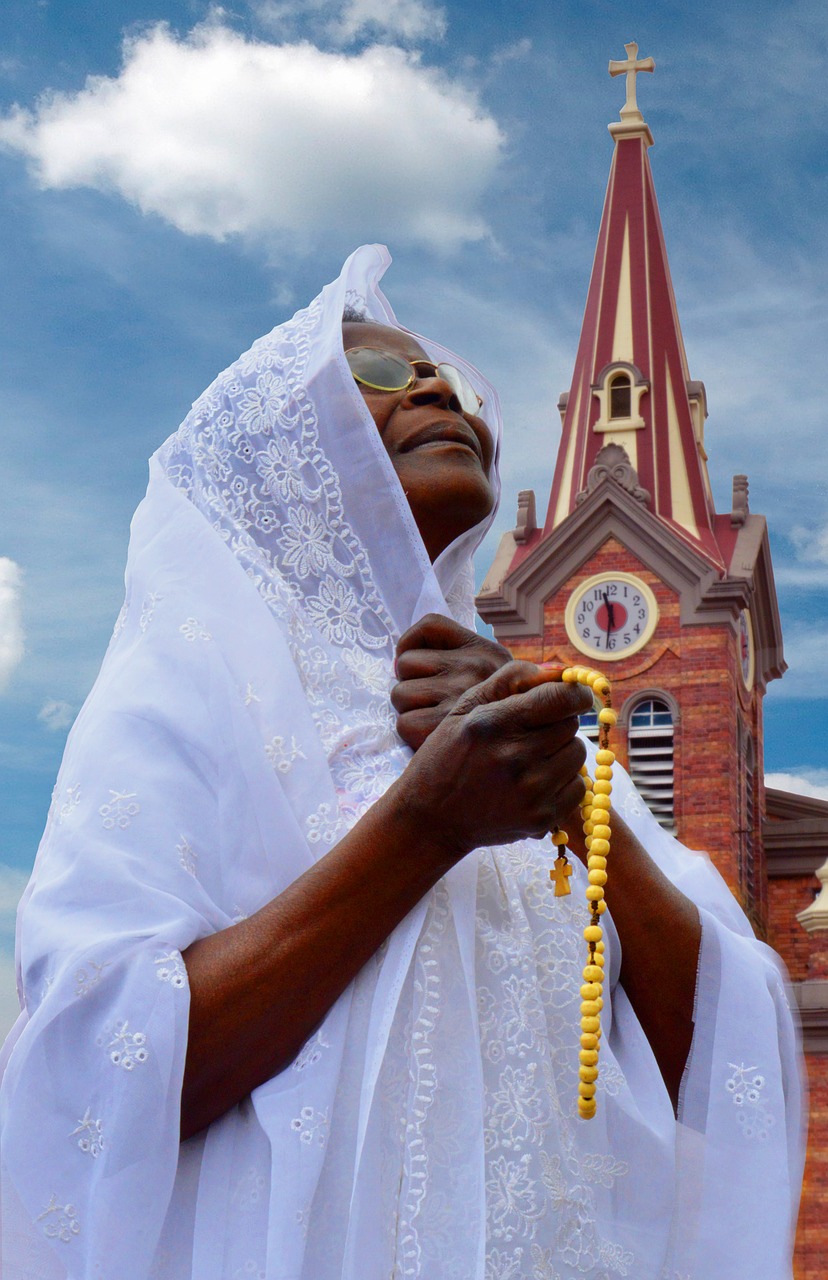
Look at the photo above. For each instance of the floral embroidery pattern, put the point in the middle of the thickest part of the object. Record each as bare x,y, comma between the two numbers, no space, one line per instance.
127,1048
59,1221
250,1190
311,1051
250,1271
511,1198
73,795
745,1088
89,977
250,695
120,810
281,756
169,967
323,824
89,1134
193,630
311,1125
151,599
187,855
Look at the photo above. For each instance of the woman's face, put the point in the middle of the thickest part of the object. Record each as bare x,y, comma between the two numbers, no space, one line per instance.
441,455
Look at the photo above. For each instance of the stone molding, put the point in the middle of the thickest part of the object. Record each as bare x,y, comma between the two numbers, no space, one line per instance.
811,999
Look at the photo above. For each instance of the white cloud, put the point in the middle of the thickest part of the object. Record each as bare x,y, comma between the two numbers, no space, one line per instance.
56,715
811,544
221,135
401,20
11,623
813,783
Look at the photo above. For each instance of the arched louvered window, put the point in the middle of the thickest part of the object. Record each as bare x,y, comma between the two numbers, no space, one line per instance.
620,396
650,747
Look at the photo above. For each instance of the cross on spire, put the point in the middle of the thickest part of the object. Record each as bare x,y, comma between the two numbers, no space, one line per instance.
631,68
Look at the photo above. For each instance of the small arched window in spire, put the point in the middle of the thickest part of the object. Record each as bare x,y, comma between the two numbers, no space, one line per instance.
620,396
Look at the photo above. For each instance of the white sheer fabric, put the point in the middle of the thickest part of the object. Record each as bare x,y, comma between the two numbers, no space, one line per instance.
240,724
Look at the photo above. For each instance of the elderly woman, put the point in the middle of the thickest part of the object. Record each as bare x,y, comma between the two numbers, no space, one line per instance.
298,1000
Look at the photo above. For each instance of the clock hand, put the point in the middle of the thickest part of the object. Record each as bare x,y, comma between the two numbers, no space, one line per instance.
610,614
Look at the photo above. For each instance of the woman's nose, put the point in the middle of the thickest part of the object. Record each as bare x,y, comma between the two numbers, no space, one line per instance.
432,389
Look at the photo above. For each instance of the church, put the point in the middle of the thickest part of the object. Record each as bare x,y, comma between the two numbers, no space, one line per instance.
633,571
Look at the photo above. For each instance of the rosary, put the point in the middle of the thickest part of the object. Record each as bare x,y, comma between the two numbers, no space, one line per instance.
595,807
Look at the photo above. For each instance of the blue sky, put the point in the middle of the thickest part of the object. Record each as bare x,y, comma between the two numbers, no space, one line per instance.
176,178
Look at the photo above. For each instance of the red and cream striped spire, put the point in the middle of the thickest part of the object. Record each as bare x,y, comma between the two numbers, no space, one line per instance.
631,385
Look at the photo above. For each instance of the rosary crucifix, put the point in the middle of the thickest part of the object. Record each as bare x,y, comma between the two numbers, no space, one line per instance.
631,68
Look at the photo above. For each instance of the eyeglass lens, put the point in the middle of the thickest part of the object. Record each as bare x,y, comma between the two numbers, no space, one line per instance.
385,371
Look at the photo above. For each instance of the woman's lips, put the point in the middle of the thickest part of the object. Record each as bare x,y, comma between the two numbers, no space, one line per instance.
444,432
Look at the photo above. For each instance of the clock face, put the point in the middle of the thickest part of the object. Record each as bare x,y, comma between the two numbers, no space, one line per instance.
611,616
747,660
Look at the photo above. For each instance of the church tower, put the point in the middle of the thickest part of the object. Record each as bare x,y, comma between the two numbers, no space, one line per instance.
633,571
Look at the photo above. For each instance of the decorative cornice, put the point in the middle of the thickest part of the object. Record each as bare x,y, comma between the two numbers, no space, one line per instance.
515,605
613,463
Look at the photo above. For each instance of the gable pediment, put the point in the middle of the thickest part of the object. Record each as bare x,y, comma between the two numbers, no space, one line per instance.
608,511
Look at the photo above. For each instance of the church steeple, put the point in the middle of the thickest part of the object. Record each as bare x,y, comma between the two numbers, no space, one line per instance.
631,385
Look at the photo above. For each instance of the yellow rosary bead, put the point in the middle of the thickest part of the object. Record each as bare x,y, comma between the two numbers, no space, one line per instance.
560,837
601,831
594,893
593,973
588,1074
601,806
603,773
607,716
603,787
589,1009
586,1090
600,847
586,1108
594,933
596,862
590,991
590,1023
605,756
600,907
588,1057
589,1043
597,877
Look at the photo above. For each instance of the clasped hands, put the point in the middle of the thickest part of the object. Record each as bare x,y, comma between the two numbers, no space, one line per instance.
496,752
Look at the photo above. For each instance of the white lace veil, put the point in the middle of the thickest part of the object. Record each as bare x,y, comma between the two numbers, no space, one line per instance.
240,724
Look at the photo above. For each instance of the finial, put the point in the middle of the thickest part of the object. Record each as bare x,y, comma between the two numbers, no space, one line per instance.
815,917
632,121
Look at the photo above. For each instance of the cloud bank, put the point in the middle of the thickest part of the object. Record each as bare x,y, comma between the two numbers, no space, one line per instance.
11,623
815,784
221,135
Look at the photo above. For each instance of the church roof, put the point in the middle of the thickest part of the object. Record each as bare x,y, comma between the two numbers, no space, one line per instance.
631,384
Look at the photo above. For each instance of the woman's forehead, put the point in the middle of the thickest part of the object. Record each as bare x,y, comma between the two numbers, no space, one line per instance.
382,336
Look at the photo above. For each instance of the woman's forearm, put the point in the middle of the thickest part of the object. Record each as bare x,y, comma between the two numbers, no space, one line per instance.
261,987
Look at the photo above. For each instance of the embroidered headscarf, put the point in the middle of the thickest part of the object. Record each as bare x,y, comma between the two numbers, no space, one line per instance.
239,726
